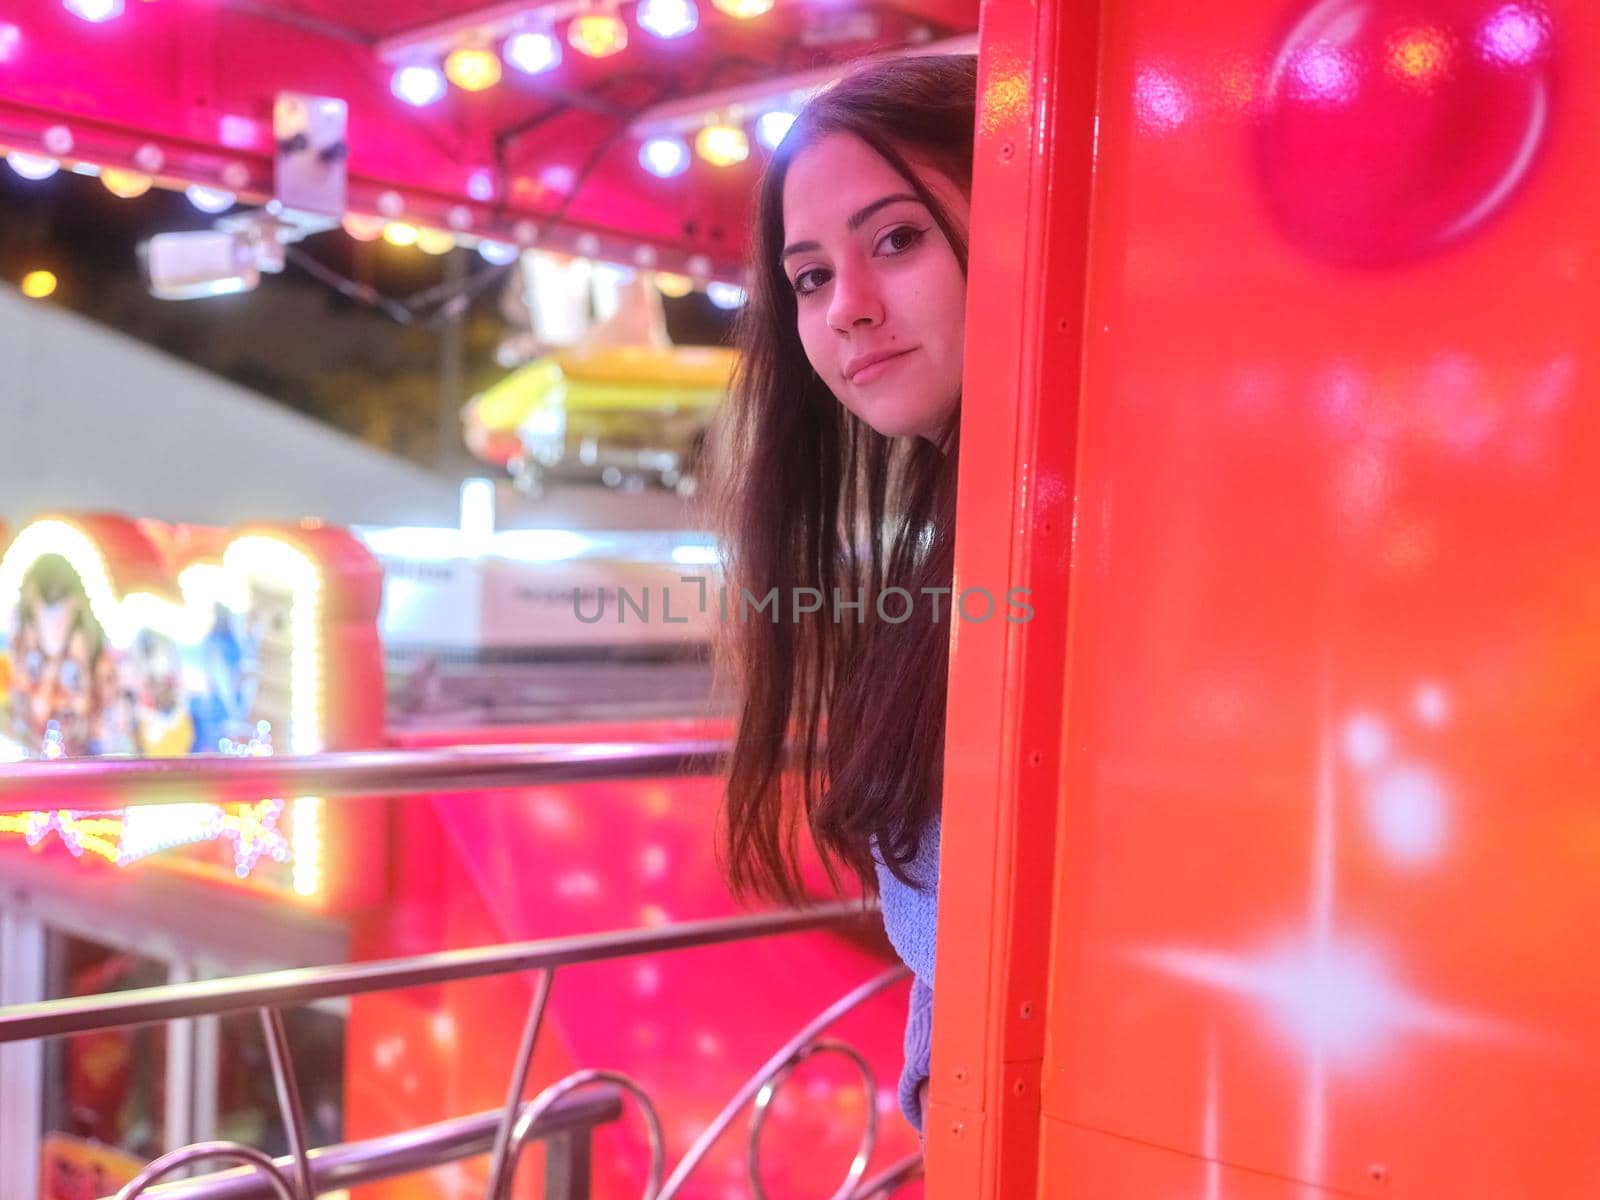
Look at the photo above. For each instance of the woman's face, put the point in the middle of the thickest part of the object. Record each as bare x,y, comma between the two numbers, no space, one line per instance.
879,291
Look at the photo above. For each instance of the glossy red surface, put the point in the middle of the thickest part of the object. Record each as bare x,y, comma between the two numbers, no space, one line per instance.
1327,846
1385,131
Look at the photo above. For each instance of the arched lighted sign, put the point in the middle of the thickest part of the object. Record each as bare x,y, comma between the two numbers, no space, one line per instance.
219,646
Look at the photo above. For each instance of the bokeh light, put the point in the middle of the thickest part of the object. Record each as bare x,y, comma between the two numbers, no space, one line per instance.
472,70
722,145
418,85
36,285
599,35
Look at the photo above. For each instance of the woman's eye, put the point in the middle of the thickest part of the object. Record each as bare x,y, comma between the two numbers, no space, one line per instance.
809,281
899,240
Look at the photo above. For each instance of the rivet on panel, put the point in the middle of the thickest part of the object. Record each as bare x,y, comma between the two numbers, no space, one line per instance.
1035,758
1008,151
1027,1010
961,1074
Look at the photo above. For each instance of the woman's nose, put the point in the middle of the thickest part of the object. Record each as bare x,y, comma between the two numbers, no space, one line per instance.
856,301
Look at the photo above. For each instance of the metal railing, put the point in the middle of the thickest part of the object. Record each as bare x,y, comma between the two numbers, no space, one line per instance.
104,784
564,1114
564,1127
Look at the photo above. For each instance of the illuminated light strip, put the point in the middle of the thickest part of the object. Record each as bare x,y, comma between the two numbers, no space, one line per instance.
67,541
306,822
125,838
745,102
201,585
151,828
142,830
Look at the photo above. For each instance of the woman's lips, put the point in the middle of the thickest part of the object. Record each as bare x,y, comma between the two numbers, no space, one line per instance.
874,366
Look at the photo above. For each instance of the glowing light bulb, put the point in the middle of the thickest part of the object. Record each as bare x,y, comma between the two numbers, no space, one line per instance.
664,157
722,145
126,184
209,199
10,37
398,233
667,18
533,52
435,241
673,286
725,295
498,253
32,166
743,10
418,85
362,227
94,10
770,127
599,35
36,285
472,69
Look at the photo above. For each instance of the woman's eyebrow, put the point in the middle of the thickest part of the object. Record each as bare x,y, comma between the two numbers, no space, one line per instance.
857,219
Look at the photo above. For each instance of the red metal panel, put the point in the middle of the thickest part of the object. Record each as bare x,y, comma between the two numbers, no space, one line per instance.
1030,211
1328,845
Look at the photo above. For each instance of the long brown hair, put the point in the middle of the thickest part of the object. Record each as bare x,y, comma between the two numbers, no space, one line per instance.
840,714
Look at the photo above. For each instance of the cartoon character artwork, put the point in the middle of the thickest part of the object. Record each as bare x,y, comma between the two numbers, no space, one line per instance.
117,686
225,708
166,729
57,677
67,690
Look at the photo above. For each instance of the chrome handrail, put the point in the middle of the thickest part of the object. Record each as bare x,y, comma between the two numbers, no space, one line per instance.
302,985
111,783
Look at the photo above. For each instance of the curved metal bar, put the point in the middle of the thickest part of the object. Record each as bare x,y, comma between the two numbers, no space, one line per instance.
105,784
187,1155
758,1117
891,1179
572,1083
391,1156
301,985
696,1153
501,1158
289,1105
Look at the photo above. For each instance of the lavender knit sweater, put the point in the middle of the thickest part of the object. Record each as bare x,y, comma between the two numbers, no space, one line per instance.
910,917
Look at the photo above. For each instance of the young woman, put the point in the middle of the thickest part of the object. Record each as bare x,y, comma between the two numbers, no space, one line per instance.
837,503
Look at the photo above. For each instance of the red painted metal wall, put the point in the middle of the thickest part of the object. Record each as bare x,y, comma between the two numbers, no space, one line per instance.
1327,846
